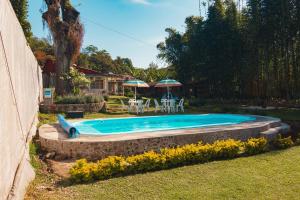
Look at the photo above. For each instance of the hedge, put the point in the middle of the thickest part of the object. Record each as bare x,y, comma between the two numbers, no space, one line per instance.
71,99
83,171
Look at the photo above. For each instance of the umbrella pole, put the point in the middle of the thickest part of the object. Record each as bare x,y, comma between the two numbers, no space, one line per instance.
135,93
168,92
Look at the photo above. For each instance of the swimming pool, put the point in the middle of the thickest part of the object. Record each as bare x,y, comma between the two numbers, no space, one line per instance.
157,123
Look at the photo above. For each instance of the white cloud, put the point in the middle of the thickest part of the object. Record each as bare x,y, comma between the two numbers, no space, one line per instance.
144,2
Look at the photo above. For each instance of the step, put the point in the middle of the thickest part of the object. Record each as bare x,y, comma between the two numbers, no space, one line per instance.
272,133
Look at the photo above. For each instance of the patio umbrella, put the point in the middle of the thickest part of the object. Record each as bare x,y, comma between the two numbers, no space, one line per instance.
135,83
168,83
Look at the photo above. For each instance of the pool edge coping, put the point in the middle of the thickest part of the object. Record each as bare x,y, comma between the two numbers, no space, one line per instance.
261,121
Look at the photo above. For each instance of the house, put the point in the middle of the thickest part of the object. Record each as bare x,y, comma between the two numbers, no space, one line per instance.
104,83
101,83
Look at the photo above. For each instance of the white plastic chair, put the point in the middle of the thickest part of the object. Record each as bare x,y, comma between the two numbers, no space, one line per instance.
157,106
146,106
124,107
180,105
171,106
132,104
164,106
139,106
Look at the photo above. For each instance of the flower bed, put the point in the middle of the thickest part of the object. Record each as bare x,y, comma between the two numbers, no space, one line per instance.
112,166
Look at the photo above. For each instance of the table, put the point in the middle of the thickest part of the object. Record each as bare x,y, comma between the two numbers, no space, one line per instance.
137,104
168,105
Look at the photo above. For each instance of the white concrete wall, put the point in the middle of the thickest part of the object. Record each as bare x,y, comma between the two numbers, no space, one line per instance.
20,93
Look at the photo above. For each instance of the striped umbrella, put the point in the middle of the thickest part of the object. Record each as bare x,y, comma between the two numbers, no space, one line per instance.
168,83
135,83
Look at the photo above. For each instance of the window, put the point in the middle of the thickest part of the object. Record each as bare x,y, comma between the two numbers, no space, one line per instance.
97,83
101,84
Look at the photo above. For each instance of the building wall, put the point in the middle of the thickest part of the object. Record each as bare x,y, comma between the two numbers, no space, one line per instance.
20,94
110,86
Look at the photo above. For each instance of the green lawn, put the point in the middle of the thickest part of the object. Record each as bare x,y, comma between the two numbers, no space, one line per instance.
274,175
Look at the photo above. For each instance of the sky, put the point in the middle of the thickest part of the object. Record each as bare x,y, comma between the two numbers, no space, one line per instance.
126,28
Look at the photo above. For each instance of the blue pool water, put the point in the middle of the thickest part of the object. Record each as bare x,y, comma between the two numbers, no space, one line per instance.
156,123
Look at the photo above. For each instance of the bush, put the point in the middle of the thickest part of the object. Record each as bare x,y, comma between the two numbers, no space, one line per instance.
283,143
193,101
82,171
113,166
128,93
226,149
78,99
106,97
297,141
46,119
255,146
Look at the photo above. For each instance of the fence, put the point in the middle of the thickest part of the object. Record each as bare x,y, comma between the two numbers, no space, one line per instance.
20,94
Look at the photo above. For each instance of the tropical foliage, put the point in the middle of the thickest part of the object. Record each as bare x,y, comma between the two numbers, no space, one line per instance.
250,51
77,80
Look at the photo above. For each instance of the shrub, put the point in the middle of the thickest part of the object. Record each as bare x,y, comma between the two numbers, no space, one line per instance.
109,167
297,142
128,93
144,162
226,149
71,99
113,166
46,119
106,97
283,143
255,146
82,171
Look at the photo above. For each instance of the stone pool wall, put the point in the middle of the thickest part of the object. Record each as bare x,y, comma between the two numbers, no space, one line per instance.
53,139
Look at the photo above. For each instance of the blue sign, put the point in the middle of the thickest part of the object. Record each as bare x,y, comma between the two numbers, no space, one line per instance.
48,93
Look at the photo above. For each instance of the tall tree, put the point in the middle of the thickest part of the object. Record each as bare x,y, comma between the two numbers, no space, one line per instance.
67,33
21,10
243,51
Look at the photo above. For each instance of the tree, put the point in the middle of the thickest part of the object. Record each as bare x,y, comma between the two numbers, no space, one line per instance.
100,60
42,49
77,80
239,52
67,33
21,9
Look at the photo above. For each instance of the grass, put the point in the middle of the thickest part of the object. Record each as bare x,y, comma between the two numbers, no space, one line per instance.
274,175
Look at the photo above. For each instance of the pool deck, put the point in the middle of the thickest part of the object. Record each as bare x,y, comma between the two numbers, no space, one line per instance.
93,147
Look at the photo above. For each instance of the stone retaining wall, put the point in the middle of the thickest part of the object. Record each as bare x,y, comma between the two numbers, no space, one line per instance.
53,139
